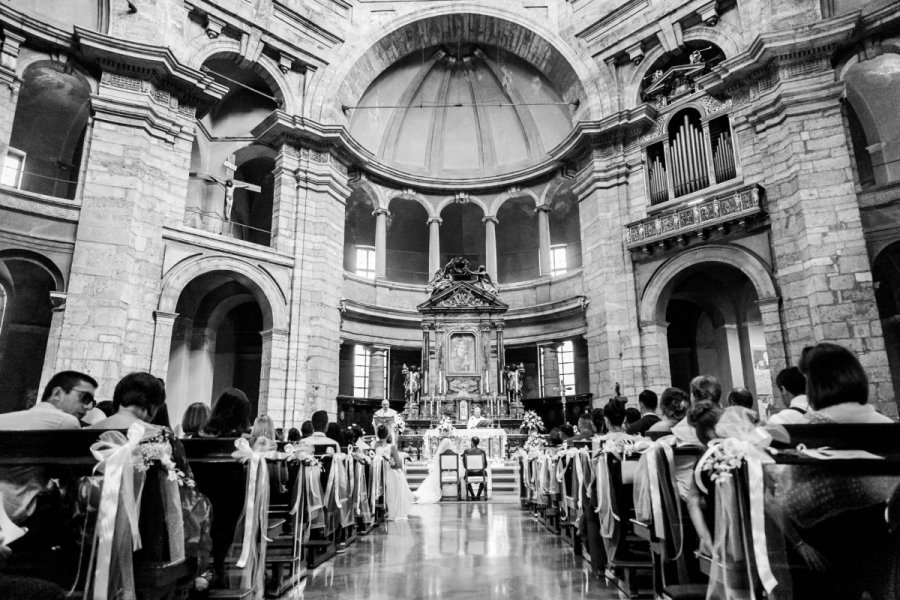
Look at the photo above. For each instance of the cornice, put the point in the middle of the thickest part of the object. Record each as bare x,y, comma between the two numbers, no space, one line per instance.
153,63
34,30
279,128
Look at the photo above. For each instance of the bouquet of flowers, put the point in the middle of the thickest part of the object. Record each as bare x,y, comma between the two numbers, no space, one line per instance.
723,457
446,425
625,445
401,424
158,449
532,422
301,453
535,441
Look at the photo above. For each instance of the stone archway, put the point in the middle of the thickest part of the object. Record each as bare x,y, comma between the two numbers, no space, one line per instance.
664,284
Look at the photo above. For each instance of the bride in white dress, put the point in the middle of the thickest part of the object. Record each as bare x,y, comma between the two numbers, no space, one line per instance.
429,490
397,496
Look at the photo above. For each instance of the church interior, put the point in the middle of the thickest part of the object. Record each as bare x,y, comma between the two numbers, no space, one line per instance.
344,298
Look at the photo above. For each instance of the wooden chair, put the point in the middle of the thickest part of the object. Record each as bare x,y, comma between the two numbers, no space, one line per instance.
449,469
475,472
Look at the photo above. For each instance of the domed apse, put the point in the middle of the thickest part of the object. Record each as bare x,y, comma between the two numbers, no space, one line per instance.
460,111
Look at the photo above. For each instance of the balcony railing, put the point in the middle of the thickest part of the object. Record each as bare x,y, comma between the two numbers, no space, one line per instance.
697,216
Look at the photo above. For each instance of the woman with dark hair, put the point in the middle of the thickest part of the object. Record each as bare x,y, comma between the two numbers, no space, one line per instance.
837,387
194,419
230,416
334,432
673,405
703,417
137,397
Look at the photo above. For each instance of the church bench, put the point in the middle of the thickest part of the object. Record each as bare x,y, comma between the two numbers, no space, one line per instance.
66,456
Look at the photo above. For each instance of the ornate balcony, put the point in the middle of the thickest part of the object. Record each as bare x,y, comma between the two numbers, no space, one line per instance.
695,217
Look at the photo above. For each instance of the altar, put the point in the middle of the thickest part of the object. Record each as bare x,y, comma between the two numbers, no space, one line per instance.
492,441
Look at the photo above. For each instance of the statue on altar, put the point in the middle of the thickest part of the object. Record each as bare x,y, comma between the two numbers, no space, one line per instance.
412,385
458,269
514,374
477,421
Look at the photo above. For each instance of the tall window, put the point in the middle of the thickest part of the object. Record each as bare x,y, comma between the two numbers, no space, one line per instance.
566,357
13,167
360,371
692,156
558,264
365,261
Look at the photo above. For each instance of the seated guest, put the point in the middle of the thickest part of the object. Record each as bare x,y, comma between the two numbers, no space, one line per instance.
647,402
703,388
475,450
674,405
320,442
555,438
194,419
703,417
585,428
838,388
741,397
598,421
137,397
792,386
263,427
333,431
614,415
293,435
67,397
567,431
230,416
98,413
279,434
632,415
306,429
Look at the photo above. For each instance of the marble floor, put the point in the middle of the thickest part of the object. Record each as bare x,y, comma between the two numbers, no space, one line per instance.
456,550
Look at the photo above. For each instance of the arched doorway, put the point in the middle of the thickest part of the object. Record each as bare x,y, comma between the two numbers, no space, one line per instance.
518,245
886,276
216,342
25,315
715,328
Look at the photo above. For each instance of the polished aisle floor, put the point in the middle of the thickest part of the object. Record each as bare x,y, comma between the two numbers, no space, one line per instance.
460,550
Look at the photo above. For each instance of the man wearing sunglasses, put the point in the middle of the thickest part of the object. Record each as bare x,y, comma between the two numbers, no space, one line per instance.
67,397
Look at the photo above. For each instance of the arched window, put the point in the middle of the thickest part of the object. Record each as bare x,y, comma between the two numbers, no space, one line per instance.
693,155
406,258
462,233
359,234
48,131
518,246
565,233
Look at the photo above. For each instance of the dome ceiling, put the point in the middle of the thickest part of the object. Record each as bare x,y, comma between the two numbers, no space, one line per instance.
460,111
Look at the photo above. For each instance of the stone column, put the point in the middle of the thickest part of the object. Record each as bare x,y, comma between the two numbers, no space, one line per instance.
317,285
9,90
490,246
284,199
180,390
381,215
58,304
824,273
273,380
434,245
162,343
551,370
655,345
773,330
203,362
135,184
543,213
612,335
377,367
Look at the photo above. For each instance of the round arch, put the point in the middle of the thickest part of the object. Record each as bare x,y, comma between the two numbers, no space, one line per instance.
509,195
469,200
430,26
39,260
659,289
268,294
408,195
263,66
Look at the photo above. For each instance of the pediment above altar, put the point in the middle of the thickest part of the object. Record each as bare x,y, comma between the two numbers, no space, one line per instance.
462,296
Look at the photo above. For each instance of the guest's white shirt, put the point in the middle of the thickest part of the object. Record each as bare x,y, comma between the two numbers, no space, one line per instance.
320,439
789,416
42,415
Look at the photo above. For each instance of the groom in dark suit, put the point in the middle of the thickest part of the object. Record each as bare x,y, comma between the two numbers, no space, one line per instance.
479,473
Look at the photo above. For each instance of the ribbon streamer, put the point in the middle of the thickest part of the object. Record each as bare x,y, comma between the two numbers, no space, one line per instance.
256,499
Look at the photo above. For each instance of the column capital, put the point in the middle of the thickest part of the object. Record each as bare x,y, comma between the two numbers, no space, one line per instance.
58,301
432,220
490,219
161,315
379,348
381,211
545,208
769,303
268,334
660,324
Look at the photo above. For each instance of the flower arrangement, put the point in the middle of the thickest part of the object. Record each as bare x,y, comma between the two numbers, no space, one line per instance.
624,445
400,424
532,422
535,441
446,425
301,453
723,457
158,450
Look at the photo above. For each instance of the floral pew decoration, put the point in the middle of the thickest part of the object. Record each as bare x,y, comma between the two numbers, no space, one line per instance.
125,461
250,534
362,464
741,552
307,494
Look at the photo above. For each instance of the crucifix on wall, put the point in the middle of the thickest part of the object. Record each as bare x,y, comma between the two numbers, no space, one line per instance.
230,184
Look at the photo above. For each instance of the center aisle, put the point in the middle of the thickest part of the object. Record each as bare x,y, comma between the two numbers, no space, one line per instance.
456,550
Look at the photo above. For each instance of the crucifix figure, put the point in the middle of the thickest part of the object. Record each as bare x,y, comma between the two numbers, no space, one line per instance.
230,184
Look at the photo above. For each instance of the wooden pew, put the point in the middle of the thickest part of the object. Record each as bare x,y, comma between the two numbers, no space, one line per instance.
627,554
66,455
